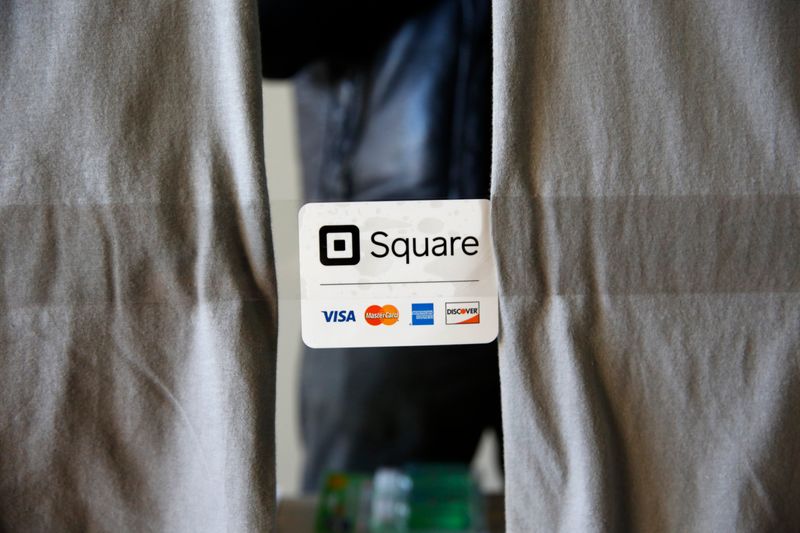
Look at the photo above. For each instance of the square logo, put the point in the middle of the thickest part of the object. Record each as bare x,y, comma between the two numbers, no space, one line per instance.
339,245
421,314
457,313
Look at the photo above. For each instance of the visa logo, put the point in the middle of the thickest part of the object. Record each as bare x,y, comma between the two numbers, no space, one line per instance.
339,316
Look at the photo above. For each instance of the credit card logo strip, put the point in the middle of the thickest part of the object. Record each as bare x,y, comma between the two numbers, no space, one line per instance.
339,245
457,313
375,315
339,315
422,314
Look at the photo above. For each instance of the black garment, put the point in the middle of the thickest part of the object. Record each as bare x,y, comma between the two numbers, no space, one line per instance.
296,32
363,408
405,118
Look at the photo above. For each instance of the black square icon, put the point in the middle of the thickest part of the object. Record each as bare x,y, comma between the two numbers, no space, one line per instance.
339,245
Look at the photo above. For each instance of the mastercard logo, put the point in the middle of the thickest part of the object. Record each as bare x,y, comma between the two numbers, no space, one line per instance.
375,315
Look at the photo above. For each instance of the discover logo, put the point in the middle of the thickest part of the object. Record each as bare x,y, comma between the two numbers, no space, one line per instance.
462,313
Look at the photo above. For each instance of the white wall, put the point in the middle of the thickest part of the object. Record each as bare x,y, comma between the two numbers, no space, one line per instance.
283,179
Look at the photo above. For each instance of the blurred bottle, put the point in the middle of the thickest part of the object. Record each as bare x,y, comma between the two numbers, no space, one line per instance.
391,490
418,499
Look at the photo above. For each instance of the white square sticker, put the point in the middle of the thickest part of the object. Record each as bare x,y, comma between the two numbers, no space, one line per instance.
397,274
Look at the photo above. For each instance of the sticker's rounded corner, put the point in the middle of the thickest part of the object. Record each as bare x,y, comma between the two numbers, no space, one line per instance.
301,211
311,345
492,339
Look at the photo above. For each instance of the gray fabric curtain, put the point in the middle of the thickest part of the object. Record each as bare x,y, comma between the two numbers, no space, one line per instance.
645,158
137,294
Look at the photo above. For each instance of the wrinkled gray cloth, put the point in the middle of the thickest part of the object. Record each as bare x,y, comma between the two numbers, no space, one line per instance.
137,297
646,159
